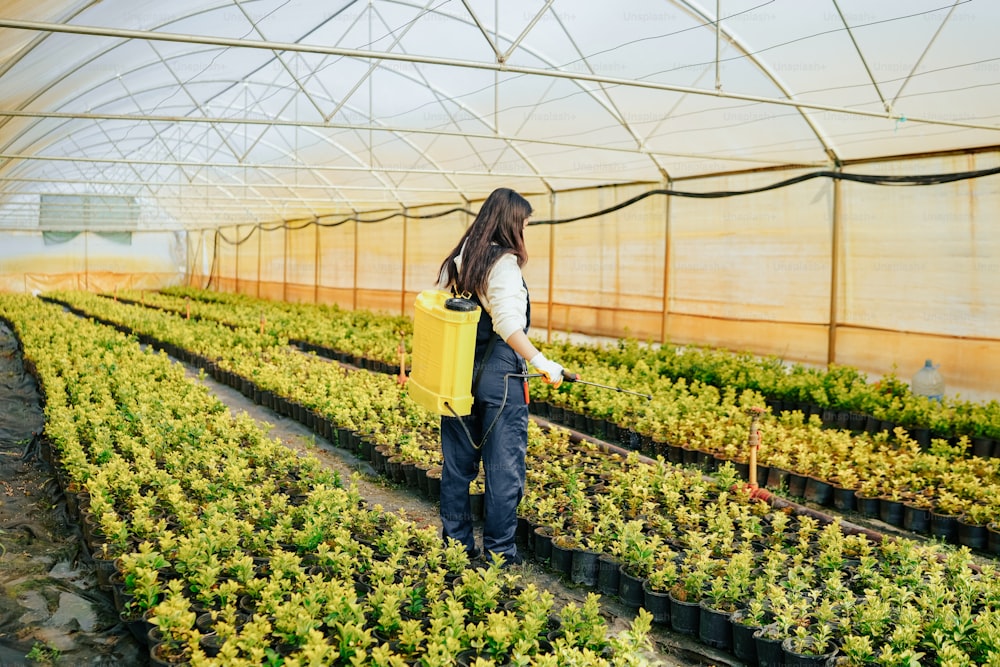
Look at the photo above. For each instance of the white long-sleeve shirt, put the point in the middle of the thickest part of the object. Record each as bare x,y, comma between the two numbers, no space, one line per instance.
506,297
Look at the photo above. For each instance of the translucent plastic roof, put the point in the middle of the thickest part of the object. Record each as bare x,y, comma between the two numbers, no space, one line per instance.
215,112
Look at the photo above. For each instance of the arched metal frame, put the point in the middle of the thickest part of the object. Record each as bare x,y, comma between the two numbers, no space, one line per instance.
58,159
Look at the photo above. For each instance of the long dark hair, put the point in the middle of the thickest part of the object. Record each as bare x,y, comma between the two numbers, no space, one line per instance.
497,230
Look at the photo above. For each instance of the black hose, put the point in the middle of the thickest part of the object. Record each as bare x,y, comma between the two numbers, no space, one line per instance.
503,404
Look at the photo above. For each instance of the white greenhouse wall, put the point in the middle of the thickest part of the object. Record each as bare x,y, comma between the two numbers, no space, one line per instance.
878,277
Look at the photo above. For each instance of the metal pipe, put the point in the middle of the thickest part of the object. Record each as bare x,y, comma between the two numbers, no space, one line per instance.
835,248
268,45
391,129
753,444
286,166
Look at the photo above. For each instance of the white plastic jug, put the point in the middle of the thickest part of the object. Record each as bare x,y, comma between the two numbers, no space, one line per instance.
928,382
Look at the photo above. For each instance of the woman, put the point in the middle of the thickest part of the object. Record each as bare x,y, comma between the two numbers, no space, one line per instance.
486,265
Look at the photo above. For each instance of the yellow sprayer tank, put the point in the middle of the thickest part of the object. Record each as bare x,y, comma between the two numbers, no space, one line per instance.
444,349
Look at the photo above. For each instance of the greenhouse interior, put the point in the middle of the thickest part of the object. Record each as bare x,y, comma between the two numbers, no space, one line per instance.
741,256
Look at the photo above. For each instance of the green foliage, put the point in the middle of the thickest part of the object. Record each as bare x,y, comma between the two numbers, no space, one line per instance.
44,654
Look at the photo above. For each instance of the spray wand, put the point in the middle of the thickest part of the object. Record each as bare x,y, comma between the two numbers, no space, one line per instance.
575,377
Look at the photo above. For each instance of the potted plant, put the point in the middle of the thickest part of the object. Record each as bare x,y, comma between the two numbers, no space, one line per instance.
787,614
176,624
745,622
715,610
656,587
857,649
810,645
687,592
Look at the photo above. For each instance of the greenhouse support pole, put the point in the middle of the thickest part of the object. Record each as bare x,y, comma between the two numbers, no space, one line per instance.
260,249
666,265
354,292
194,262
86,261
187,258
718,43
402,287
214,266
317,265
237,276
831,350
217,262
210,258
284,268
552,264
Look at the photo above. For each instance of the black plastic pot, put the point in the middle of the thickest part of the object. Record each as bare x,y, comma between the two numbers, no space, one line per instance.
776,478
872,424
916,519
922,435
561,559
944,526
583,569
818,491
521,534
769,651
762,472
477,503
543,543
714,628
744,645
691,456
993,539
607,575
867,505
657,603
434,483
795,659
630,589
857,421
982,446
890,511
410,473
422,469
685,616
971,535
843,499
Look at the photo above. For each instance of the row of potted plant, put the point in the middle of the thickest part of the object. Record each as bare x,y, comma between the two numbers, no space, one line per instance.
841,394
362,336
239,551
938,492
835,388
698,415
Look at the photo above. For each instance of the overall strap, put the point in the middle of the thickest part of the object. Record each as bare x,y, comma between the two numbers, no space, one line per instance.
486,357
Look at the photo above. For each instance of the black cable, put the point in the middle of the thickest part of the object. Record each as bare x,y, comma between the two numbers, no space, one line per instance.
503,404
870,179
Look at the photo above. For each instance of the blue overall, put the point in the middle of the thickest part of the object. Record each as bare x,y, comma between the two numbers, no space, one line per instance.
502,453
